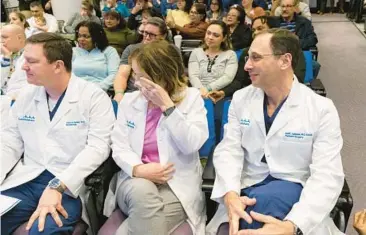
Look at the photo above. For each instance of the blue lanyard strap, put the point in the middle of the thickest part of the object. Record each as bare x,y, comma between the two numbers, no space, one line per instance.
54,110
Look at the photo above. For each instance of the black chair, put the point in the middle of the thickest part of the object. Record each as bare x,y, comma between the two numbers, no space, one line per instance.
187,46
98,184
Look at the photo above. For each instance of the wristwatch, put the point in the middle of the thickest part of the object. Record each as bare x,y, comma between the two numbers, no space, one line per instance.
56,184
297,230
169,111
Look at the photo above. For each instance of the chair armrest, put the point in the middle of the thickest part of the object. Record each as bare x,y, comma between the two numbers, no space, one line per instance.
208,175
102,175
314,50
317,86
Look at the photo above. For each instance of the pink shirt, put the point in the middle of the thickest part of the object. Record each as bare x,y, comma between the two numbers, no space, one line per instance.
150,152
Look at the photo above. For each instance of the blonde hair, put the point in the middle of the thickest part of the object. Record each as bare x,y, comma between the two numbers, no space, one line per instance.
163,63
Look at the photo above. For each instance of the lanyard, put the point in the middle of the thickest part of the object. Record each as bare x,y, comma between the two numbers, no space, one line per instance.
54,110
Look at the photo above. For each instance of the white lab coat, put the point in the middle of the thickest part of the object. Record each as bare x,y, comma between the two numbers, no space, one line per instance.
71,146
13,86
5,102
179,137
303,145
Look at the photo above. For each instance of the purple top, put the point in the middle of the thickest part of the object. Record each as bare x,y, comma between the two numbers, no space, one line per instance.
150,152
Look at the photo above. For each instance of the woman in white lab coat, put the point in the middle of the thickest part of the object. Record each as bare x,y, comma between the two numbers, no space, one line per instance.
156,139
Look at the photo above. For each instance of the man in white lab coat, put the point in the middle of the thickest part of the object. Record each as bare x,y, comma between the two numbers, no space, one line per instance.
278,168
13,77
62,124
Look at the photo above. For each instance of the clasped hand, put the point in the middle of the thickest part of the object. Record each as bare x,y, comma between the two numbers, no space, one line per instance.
236,206
49,203
155,172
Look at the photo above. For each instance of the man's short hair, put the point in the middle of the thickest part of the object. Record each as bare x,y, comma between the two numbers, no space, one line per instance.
283,41
55,48
36,4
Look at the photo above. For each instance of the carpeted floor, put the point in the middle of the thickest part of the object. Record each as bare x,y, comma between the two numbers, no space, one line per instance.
342,54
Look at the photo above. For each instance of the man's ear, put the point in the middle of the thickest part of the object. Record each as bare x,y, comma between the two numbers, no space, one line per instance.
286,61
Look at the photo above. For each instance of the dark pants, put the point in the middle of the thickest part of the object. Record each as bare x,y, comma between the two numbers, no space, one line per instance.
274,197
29,194
323,5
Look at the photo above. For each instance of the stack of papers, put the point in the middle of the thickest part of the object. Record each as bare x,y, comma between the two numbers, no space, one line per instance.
7,203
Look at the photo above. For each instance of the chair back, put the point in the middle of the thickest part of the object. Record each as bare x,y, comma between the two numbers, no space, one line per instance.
211,141
225,113
309,76
115,107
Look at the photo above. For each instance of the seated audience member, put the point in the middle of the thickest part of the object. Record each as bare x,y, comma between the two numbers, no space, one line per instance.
298,24
13,77
118,7
155,30
279,154
300,8
146,14
359,222
159,186
216,11
240,34
85,14
163,6
38,12
19,19
252,10
302,27
93,60
118,35
180,16
62,124
213,66
197,28
134,20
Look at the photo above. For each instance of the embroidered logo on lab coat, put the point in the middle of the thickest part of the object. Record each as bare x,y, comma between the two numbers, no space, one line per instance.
130,124
74,123
245,122
298,135
27,118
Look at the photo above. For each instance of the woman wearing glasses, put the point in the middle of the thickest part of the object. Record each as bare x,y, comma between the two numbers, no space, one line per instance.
197,28
93,60
240,34
213,66
155,141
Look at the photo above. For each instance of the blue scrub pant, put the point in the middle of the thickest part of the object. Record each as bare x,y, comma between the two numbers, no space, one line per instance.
29,194
274,197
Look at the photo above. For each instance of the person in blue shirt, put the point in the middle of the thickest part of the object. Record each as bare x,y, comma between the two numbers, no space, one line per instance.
120,8
93,60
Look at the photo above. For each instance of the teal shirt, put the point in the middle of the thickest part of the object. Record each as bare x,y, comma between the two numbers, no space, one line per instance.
120,8
96,66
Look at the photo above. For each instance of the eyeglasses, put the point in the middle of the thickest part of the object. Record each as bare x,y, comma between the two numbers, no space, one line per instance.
148,34
287,6
84,36
193,12
258,57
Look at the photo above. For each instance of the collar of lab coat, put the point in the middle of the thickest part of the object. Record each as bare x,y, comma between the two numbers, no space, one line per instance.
71,96
140,102
290,107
